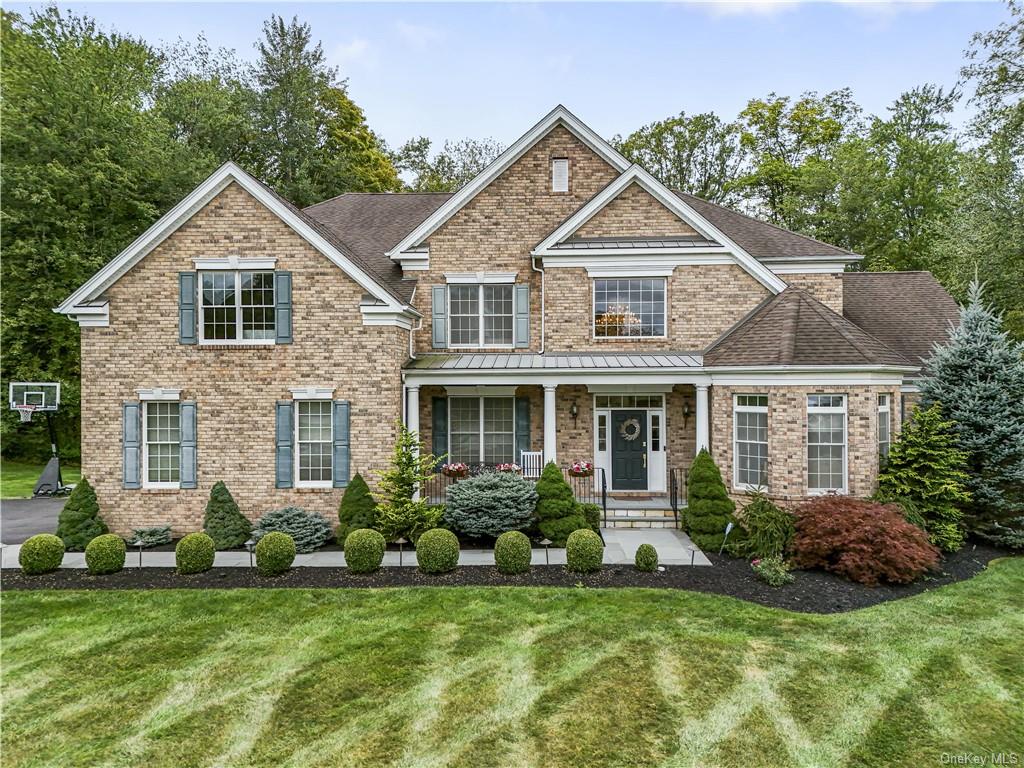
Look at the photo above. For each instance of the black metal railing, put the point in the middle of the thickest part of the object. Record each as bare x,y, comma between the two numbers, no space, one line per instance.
676,490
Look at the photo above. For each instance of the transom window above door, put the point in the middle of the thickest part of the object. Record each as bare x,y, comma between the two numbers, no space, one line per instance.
629,308
237,306
628,401
481,315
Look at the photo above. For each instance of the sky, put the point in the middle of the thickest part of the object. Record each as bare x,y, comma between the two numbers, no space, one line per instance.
454,70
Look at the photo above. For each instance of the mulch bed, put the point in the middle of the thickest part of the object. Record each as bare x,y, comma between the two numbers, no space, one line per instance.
812,592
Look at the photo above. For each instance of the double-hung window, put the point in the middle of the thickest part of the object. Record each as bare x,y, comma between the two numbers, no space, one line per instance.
237,306
750,441
481,430
314,440
629,308
884,426
481,315
826,443
161,450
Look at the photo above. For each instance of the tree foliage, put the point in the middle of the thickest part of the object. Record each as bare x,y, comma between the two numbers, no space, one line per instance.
447,170
80,521
708,506
558,513
357,508
223,521
399,514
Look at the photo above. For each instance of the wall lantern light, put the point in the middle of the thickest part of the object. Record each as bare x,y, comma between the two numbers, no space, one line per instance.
574,411
686,413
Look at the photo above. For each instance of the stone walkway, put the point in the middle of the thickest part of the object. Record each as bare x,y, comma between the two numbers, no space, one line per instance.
674,548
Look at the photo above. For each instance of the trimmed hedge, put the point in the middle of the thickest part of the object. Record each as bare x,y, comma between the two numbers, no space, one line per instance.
584,550
275,553
646,558
194,553
437,551
41,553
512,552
105,554
364,550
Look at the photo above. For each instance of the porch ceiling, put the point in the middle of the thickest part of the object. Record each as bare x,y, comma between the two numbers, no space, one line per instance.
553,361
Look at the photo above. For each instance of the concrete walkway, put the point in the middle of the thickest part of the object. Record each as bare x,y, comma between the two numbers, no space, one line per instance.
674,548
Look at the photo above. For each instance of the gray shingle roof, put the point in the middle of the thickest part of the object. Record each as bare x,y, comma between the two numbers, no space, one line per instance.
553,360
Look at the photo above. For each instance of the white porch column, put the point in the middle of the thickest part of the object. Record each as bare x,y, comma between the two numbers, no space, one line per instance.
412,408
550,431
703,429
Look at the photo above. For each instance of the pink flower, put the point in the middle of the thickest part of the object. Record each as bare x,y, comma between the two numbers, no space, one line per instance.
756,561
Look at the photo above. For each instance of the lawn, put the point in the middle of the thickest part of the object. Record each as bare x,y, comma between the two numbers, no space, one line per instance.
18,478
508,677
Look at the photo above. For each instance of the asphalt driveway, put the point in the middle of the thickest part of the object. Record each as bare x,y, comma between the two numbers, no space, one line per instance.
21,518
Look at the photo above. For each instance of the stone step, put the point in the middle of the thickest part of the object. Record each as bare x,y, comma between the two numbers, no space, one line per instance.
613,522
640,514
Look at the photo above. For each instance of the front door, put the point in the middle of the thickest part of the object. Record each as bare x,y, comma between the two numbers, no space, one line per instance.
629,450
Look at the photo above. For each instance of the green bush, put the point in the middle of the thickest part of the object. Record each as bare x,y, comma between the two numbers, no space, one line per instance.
275,553
512,552
646,558
224,523
79,521
1010,535
194,553
308,530
105,554
42,553
154,536
364,550
708,506
399,515
558,530
357,509
592,514
584,551
437,551
558,514
768,529
490,504
773,571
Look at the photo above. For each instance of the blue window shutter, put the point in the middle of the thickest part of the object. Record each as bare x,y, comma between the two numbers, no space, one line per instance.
283,306
439,431
522,315
439,317
522,427
342,446
284,442
131,445
188,444
187,318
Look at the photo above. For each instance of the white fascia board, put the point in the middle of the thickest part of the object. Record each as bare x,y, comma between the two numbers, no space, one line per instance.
661,193
558,116
379,314
611,261
92,316
184,210
677,255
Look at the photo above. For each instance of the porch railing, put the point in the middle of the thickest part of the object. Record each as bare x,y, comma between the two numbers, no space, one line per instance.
676,490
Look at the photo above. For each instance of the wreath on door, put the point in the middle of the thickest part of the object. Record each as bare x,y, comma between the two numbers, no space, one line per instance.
630,429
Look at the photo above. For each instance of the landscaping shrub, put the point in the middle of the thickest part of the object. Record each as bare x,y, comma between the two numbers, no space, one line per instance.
105,554
308,530
1010,535
79,521
42,553
863,541
584,551
194,553
364,550
773,570
154,536
708,506
224,523
768,529
558,514
592,514
357,509
512,552
399,515
646,558
275,553
437,551
490,504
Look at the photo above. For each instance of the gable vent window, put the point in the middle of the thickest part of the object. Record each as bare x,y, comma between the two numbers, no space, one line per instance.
560,175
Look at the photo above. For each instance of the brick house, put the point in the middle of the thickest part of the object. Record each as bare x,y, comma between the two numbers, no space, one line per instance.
563,305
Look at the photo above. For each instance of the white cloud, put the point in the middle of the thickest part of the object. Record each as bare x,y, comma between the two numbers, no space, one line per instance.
356,52
873,8
417,36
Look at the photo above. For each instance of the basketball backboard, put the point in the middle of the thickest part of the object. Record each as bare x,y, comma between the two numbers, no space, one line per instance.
44,395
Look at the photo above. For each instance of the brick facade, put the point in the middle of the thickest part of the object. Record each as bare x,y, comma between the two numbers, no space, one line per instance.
826,288
634,212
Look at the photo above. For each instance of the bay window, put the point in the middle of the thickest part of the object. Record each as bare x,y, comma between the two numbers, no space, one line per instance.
481,315
826,443
750,441
237,306
481,430
629,308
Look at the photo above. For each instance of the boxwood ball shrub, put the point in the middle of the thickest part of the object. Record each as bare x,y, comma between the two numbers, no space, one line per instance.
364,550
41,553
194,553
584,550
512,552
275,553
105,554
646,558
437,551
490,504
308,530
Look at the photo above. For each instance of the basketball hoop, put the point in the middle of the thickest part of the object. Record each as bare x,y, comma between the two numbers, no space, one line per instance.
25,410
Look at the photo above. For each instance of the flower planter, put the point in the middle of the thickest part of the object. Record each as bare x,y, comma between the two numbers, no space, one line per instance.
582,473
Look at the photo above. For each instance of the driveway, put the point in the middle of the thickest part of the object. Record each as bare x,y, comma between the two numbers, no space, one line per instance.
21,518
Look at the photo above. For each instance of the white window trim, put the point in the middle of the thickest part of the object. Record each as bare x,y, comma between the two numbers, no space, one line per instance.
242,263
299,483
147,484
480,426
480,320
312,393
884,411
846,444
489,278
159,393
555,162
593,310
737,408
237,341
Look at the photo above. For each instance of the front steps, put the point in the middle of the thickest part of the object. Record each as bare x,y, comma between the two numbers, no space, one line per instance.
639,518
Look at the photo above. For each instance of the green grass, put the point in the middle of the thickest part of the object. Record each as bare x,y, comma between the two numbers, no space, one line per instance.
18,478
478,677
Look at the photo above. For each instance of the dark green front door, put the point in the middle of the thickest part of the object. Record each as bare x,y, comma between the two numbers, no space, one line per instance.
629,450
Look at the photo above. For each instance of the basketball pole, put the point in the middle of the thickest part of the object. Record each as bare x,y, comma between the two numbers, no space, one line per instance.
53,447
